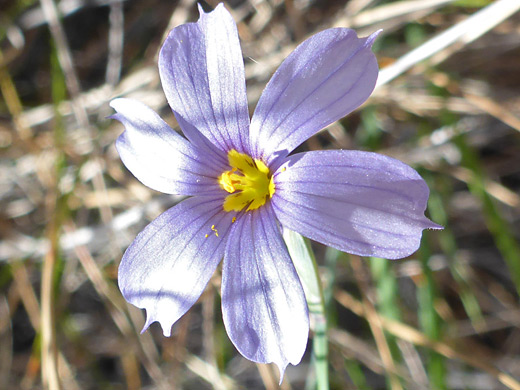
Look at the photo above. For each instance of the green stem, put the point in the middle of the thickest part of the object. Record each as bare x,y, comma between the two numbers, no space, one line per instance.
305,264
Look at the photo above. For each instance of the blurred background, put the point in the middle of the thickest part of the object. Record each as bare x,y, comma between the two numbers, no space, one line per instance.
447,103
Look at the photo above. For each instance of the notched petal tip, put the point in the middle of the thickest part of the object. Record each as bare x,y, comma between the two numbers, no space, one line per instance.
114,102
165,325
283,364
202,73
434,226
112,116
281,370
119,104
363,203
201,10
372,37
325,78
215,11
169,264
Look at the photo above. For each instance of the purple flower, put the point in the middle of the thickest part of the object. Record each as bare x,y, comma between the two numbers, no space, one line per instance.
243,186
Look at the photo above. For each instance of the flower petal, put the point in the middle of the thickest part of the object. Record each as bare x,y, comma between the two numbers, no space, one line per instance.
358,202
159,157
263,303
326,77
170,262
202,72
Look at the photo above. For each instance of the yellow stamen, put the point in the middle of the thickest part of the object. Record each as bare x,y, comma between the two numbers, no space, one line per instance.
249,183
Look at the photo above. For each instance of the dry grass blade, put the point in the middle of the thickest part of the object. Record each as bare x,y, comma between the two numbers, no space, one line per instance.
412,335
115,43
137,85
375,323
389,11
178,17
465,31
354,348
32,307
49,350
26,291
495,109
414,363
14,105
354,7
6,354
496,190
64,56
117,308
209,373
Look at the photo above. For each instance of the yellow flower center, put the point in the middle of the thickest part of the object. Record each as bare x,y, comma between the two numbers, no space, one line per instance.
249,183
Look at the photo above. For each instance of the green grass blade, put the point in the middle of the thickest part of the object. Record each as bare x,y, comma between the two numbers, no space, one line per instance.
429,319
305,264
438,197
496,224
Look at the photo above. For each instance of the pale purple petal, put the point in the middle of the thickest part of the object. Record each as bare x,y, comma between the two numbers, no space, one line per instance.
202,143
159,157
171,261
263,303
202,73
322,80
358,202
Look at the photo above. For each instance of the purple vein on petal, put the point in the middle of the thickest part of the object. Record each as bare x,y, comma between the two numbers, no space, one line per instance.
318,112
334,216
282,185
330,231
282,120
289,83
265,111
262,294
198,213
